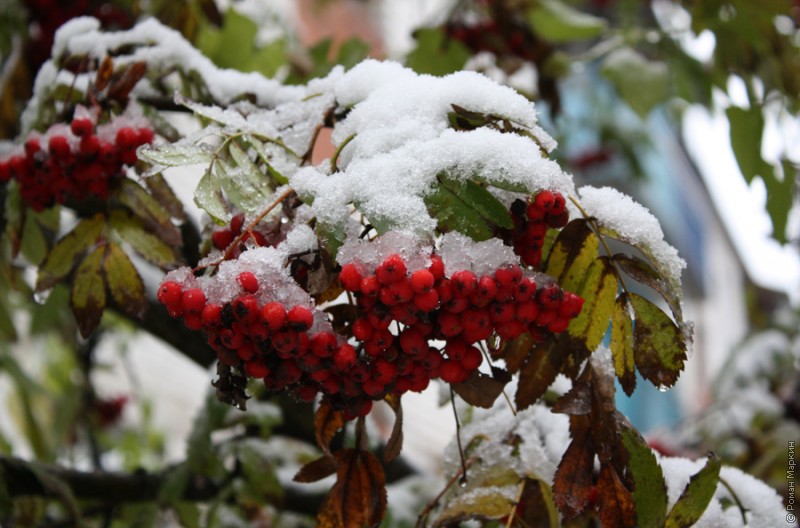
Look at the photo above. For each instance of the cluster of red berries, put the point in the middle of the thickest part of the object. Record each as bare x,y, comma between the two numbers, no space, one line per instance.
224,237
74,163
275,342
531,220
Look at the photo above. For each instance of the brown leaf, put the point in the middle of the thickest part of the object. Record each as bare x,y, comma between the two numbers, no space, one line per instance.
578,400
164,194
316,469
536,507
120,88
572,485
327,422
515,352
395,443
104,74
615,500
481,390
538,373
358,498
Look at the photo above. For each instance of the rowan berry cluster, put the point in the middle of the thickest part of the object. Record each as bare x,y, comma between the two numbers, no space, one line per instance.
73,162
546,209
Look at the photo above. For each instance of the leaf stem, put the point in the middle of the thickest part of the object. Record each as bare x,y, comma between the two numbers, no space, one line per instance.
463,480
335,157
736,499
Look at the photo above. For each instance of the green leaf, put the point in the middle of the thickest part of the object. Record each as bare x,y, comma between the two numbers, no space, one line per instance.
152,214
436,54
200,455
780,196
238,188
33,244
351,52
468,208
7,330
208,197
188,514
149,246
746,129
642,272
622,344
574,250
696,496
649,491
248,180
266,158
124,283
68,250
556,21
599,291
640,82
177,154
658,344
261,481
233,46
88,297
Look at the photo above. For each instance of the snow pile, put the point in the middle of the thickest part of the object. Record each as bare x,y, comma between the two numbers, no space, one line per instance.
634,224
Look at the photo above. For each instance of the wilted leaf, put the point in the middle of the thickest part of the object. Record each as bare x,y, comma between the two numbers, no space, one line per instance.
88,297
556,21
616,503
536,505
395,443
622,344
599,291
124,282
317,469
358,499
515,351
104,72
154,217
538,373
572,484
327,422
149,246
650,491
68,250
640,82
436,54
481,390
696,496
658,346
572,253
578,400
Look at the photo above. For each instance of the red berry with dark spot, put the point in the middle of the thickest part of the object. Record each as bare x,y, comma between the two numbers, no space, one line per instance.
248,281
350,277
169,293
193,300
422,281
300,318
273,315
392,270
81,126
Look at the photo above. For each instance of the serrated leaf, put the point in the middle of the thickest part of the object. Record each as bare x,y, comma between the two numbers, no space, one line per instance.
88,297
599,291
556,21
650,491
659,350
435,54
746,129
239,187
149,246
538,372
177,154
208,197
642,83
164,194
395,442
573,251
152,214
572,484
468,208
644,273
621,344
255,182
62,258
481,390
258,146
616,503
696,496
124,283
327,422
358,498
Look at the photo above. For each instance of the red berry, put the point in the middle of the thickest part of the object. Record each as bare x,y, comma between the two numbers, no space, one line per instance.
392,270
169,293
248,281
558,221
427,302
193,300
300,318
237,222
549,297
464,283
559,204
285,342
455,349
370,286
384,372
472,359
413,343
524,290
437,267
193,321
81,126
422,281
451,371
350,277
32,146
144,135
222,238
59,147
89,146
245,309
344,357
362,329
544,200
432,360
211,315
559,325
323,344
449,324
126,138
502,312
527,312
571,305
273,315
